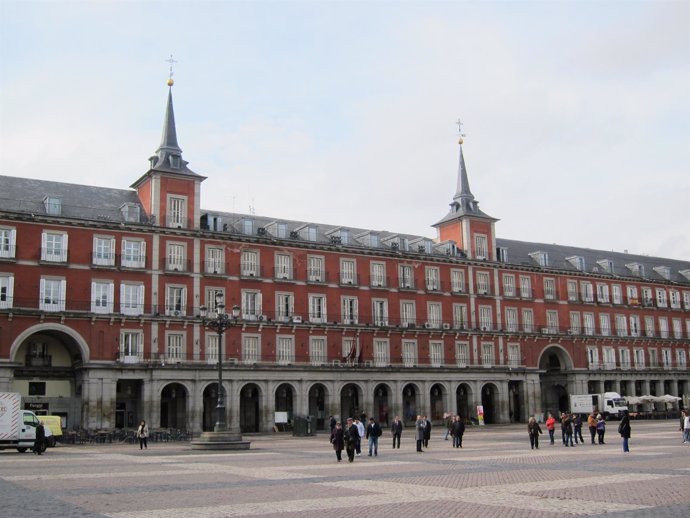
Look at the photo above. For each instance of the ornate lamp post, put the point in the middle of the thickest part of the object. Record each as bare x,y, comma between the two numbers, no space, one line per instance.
220,322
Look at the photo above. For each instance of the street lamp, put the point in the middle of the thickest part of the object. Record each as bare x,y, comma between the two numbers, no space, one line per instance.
220,322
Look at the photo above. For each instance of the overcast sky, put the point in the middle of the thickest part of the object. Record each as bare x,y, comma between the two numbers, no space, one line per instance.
576,113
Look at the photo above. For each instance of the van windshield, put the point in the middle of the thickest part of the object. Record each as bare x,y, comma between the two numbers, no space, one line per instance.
620,403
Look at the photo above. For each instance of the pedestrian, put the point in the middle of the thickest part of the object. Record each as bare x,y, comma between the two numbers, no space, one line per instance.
686,427
427,431
624,430
142,435
362,432
563,421
338,441
448,420
331,424
601,429
457,431
592,424
40,441
373,434
577,428
350,438
534,431
551,426
567,425
396,430
419,433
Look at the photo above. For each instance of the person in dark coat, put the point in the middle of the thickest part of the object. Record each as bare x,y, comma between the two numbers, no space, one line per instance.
457,430
331,424
40,442
534,431
396,430
419,432
338,441
624,430
350,438
427,431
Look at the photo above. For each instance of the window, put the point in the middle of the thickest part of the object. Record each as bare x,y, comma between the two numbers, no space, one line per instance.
485,318
251,304
131,346
624,358
6,291
617,294
663,327
36,388
653,358
52,294
349,306
460,316
175,349
508,285
285,303
542,258
131,299
588,323
502,254
348,271
247,227
603,293
575,327
527,320
483,283
317,350
315,267
632,295
433,310
406,276
283,266
674,298
8,240
177,212
638,354
514,358
552,322
681,359
382,357
408,313
281,230
621,325
54,247
525,287
350,349
103,251
604,324
212,348
251,350
53,205
378,274
175,301
649,326
176,257
609,358
432,279
409,353
102,295
577,261
457,281
549,289
317,309
133,253
593,357
512,320
480,247
215,260
647,296
587,291
436,353
285,350
249,263
635,329
462,354
487,354
666,358
677,328
686,299
380,312
130,212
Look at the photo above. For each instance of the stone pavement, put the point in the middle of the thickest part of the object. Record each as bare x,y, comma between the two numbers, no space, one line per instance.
495,474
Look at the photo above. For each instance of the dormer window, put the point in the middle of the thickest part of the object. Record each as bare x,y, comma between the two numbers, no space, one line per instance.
174,161
664,271
481,249
311,233
373,240
177,212
248,227
281,230
636,269
685,273
130,212
344,236
607,265
502,254
577,261
53,205
542,258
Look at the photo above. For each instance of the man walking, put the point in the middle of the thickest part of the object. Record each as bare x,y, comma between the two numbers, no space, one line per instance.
362,432
350,438
396,430
419,432
373,434
457,431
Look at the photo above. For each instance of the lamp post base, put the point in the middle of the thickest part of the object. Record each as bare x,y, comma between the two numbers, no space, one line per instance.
220,441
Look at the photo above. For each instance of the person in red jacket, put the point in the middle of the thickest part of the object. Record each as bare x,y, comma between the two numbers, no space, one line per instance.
551,426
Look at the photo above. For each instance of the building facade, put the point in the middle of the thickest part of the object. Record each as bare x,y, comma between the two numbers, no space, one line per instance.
100,291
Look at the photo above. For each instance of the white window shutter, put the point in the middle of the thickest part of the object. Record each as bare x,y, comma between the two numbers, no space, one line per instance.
259,304
63,294
94,248
44,242
64,247
143,252
93,297
10,291
140,298
122,297
111,297
42,293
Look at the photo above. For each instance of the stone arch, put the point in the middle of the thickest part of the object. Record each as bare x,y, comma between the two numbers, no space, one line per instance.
464,399
438,396
382,403
551,354
48,328
413,402
351,400
251,395
490,399
317,404
174,406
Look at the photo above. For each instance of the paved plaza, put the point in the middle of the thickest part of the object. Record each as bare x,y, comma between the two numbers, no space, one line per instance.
494,474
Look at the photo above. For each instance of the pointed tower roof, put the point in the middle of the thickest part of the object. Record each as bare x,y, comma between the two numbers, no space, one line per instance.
463,203
168,157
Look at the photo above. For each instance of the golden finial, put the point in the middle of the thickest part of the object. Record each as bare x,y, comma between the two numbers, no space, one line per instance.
459,123
170,60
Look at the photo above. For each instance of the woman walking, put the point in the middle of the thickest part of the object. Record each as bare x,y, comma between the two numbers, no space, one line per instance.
624,430
601,428
337,438
534,431
142,435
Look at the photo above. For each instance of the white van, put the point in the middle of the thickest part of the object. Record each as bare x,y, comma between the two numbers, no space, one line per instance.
17,427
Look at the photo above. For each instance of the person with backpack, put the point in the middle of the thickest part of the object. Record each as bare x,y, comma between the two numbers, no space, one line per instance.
373,434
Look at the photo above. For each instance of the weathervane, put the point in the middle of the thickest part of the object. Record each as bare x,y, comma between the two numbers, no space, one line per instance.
462,135
170,60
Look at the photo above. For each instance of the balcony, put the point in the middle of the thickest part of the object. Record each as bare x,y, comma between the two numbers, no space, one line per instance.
31,360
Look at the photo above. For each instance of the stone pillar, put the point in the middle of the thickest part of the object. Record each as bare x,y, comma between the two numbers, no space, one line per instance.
195,408
268,407
232,407
503,403
645,387
452,399
368,399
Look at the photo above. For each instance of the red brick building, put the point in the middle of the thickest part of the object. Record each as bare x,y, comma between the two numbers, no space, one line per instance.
100,292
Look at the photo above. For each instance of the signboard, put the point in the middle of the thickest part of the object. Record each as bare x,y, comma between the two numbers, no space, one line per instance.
480,414
281,417
37,408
